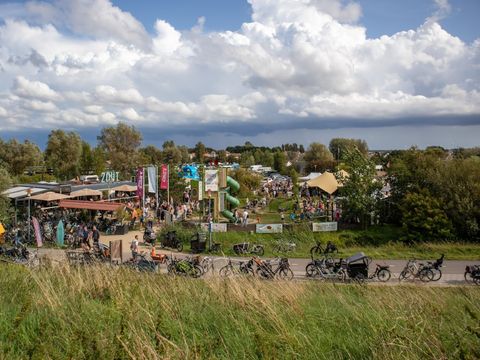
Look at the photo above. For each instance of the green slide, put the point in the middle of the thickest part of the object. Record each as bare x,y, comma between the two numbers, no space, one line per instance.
235,186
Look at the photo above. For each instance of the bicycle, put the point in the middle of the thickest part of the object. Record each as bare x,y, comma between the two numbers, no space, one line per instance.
265,269
472,274
283,246
327,269
382,273
247,248
435,267
318,250
413,270
184,267
244,268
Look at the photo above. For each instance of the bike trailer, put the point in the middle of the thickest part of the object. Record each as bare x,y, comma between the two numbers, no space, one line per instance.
357,265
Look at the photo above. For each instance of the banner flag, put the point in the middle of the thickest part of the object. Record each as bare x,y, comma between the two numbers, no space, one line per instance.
164,177
211,180
140,183
38,234
152,179
60,233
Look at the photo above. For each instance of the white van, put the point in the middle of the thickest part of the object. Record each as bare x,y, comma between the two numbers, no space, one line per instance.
89,178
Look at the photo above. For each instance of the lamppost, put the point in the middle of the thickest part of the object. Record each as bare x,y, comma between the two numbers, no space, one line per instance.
29,194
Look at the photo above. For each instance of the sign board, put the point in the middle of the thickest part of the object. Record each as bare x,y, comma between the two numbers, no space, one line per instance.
216,227
325,226
268,228
109,176
116,253
211,180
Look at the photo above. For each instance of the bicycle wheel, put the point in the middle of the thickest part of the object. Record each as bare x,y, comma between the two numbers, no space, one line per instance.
404,275
262,274
468,276
425,275
316,251
437,274
476,280
311,270
196,271
384,275
285,274
225,271
179,247
340,276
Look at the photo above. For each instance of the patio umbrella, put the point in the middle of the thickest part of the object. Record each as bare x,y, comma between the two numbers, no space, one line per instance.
49,196
126,188
85,192
327,182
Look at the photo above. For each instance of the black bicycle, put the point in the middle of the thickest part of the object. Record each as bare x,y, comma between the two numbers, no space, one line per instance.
317,250
244,268
265,269
382,273
472,274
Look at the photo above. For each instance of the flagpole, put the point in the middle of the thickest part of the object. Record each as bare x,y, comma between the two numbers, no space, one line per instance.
143,188
156,186
168,184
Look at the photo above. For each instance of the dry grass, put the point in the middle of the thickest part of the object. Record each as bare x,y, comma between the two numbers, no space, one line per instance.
115,313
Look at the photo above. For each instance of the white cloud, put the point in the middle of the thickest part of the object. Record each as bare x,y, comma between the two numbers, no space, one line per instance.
96,18
41,106
81,62
131,114
34,89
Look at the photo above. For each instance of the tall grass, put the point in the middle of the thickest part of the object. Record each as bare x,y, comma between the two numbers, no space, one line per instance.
115,313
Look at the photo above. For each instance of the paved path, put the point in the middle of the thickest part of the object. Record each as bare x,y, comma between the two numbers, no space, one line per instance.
453,270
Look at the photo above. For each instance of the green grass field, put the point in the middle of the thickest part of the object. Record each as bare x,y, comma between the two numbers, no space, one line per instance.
380,242
107,313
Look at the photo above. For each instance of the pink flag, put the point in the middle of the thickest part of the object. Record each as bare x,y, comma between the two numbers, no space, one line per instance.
164,177
38,234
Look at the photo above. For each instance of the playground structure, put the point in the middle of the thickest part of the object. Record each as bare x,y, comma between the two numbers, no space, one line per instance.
233,201
215,186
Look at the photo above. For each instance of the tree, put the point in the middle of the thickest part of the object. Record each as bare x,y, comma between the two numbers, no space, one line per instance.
280,162
222,156
63,153
318,158
17,157
98,160
121,145
152,155
339,146
249,182
86,160
423,218
5,183
360,190
200,152
247,159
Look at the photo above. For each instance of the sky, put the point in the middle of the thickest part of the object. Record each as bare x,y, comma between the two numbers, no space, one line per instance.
395,73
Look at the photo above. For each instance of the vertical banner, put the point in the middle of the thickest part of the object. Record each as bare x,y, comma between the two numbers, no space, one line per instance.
60,233
140,182
152,179
164,177
211,180
38,234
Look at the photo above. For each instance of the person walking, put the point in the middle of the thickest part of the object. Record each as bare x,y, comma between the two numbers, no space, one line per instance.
134,247
245,218
95,236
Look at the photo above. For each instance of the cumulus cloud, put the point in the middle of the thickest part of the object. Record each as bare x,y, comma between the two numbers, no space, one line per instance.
33,89
296,63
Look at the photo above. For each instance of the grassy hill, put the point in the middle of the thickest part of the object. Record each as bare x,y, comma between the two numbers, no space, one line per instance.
115,313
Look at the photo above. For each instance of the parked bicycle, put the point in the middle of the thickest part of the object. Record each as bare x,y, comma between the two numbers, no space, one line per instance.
317,250
414,270
247,248
141,263
184,267
435,267
243,268
265,269
382,273
472,274
283,246
171,240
